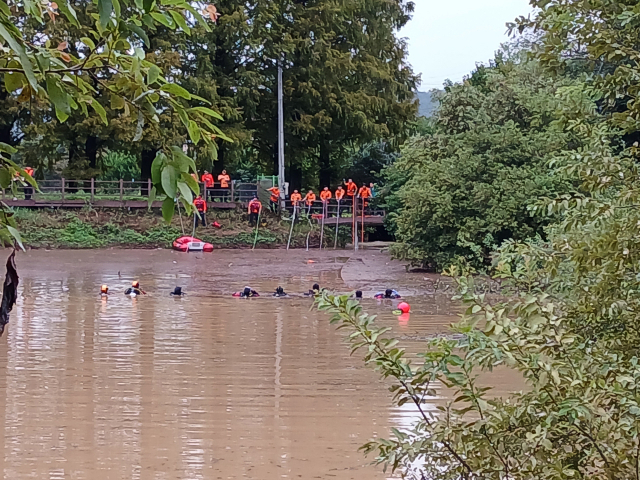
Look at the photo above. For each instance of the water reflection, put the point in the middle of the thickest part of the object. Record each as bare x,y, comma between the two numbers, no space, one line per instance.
202,386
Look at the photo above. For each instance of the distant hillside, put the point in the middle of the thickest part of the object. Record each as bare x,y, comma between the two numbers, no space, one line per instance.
427,104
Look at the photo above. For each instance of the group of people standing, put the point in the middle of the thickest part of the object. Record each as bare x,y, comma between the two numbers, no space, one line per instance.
223,189
351,191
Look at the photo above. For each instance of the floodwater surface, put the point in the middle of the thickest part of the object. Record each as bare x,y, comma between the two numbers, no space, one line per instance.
204,386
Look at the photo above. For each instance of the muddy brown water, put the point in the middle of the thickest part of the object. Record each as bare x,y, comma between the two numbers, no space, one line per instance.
200,387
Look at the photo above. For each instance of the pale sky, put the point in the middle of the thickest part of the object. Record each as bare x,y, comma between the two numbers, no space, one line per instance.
447,37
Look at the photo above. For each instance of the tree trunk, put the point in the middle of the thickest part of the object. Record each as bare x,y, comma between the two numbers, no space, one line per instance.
325,165
295,176
146,159
91,151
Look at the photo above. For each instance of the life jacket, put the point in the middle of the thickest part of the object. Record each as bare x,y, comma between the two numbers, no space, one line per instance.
200,204
207,179
275,194
29,171
325,195
339,193
255,206
364,192
224,180
295,198
352,188
309,198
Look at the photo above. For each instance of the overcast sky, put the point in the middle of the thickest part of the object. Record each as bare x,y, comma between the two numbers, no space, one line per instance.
447,37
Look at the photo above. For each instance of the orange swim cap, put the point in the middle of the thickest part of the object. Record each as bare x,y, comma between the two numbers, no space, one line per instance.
104,289
135,284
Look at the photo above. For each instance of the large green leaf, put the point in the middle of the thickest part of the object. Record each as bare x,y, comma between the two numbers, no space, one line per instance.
14,81
193,185
67,10
168,207
180,21
99,109
169,177
156,168
15,234
153,75
175,89
105,8
59,98
185,191
207,111
25,60
186,163
194,131
5,177
164,19
140,33
6,148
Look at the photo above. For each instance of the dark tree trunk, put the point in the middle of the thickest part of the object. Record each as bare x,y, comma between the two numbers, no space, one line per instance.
275,159
325,166
146,159
91,151
295,176
221,163
5,129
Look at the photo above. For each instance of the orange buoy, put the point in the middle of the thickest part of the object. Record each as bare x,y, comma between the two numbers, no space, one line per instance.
404,307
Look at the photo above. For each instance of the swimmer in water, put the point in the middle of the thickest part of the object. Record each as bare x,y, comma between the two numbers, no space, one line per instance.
248,292
359,294
388,293
314,290
134,290
280,292
104,291
177,292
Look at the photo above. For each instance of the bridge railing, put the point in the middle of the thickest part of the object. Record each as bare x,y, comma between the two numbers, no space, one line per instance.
334,209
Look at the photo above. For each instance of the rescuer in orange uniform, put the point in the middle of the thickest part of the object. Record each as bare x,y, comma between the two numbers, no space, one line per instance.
339,193
364,193
352,190
325,196
309,198
201,207
295,201
207,179
255,207
28,190
275,198
224,180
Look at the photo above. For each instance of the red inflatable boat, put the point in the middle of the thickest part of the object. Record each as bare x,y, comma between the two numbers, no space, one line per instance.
191,244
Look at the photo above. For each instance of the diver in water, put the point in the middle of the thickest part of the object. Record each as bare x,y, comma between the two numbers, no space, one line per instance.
177,292
359,294
388,293
104,291
248,292
314,290
134,290
280,292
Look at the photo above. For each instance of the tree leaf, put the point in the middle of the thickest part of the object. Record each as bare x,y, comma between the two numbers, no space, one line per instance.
176,89
185,191
156,168
105,8
193,185
5,177
14,81
207,111
6,148
15,234
153,75
169,178
194,131
67,10
164,20
25,60
99,109
139,126
59,98
140,33
186,163
168,207
180,21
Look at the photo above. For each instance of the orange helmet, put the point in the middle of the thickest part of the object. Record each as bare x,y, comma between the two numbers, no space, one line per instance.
135,284
104,289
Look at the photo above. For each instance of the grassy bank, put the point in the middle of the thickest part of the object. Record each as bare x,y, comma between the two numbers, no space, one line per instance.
88,228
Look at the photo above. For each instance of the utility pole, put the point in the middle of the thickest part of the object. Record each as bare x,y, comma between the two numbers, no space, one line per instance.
281,183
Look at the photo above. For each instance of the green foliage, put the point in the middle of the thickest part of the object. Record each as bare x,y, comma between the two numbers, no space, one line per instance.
461,190
119,165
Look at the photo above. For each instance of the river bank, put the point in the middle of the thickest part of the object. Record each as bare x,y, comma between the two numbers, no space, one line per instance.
89,228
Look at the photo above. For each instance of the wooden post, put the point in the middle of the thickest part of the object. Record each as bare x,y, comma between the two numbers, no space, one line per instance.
149,187
121,189
62,188
93,188
233,197
204,192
